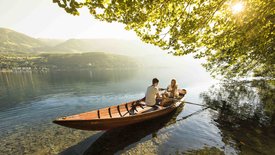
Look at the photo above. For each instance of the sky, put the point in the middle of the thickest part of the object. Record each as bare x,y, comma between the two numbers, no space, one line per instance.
44,19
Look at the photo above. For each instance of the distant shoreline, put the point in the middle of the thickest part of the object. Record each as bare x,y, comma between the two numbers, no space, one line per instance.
49,70
66,62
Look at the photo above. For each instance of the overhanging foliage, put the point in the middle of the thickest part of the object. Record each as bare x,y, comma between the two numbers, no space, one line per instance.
234,44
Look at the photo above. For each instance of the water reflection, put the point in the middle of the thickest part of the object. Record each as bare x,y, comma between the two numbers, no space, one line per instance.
22,87
114,141
246,114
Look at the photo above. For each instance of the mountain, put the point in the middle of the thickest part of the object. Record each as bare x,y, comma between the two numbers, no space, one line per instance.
115,46
14,42
87,60
51,42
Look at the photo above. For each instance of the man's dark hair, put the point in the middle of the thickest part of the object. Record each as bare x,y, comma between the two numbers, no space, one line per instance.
155,80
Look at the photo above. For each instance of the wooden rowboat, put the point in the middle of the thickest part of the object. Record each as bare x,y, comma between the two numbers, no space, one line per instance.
117,116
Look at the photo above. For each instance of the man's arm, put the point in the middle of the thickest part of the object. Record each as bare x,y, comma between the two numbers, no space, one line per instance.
158,96
157,93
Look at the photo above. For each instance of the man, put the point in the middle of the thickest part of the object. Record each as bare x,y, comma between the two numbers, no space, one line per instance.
152,93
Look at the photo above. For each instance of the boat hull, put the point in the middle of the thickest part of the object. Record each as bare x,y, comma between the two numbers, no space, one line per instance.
110,123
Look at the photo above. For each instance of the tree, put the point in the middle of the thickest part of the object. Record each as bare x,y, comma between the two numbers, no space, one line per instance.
233,43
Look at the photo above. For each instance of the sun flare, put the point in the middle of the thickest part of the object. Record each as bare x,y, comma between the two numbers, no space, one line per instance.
237,7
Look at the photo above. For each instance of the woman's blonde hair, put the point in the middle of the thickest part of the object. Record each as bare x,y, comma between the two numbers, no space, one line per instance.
174,81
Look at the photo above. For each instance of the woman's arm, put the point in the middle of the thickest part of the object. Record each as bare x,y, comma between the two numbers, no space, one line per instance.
168,89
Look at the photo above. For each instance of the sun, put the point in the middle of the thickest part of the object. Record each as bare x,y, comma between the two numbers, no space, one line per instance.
237,7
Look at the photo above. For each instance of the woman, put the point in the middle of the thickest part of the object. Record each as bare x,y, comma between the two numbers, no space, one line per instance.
171,92
172,89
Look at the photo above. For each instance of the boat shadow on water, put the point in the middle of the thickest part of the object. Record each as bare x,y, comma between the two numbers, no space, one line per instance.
115,140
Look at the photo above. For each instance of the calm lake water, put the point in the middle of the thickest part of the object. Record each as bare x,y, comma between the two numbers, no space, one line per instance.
30,101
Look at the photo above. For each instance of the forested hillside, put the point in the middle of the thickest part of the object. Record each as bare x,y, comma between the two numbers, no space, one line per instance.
14,42
66,62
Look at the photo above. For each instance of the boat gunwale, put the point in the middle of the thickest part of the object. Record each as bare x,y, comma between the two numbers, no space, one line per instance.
117,118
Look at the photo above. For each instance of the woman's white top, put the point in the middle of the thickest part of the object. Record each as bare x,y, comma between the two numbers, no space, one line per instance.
176,93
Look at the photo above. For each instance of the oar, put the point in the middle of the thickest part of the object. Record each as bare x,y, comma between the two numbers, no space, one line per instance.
203,105
194,113
194,103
